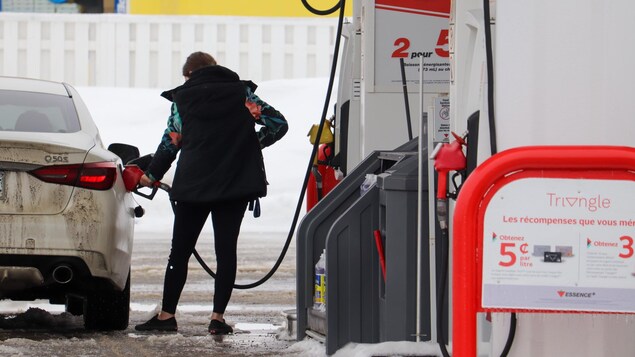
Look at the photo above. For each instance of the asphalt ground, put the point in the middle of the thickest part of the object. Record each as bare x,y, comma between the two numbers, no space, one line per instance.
259,315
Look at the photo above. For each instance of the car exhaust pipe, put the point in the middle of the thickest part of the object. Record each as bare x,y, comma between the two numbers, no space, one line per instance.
62,274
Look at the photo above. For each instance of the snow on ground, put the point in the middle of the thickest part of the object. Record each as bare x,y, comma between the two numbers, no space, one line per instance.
138,117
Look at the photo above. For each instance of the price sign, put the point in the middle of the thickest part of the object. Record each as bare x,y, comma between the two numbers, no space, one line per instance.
411,30
560,244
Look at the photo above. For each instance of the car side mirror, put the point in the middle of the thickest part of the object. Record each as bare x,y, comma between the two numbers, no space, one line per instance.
126,152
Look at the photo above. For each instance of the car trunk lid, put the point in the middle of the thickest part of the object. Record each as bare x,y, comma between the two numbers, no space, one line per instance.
21,192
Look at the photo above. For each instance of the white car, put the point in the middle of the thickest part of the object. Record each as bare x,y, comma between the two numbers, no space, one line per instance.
66,219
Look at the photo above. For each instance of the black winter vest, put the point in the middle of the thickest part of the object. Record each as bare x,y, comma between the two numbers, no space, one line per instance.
220,157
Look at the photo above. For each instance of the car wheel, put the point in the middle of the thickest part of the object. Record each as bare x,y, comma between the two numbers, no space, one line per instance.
106,308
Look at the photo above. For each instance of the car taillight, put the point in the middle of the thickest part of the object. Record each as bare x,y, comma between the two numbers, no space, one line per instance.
96,176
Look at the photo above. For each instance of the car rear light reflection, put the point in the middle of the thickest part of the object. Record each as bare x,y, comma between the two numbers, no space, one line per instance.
96,176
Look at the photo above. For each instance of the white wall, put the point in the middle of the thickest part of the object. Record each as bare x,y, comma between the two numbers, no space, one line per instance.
118,50
565,77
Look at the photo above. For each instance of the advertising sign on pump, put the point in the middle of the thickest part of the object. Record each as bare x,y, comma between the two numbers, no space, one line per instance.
560,244
412,30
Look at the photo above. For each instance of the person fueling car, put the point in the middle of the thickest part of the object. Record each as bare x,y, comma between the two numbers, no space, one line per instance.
220,171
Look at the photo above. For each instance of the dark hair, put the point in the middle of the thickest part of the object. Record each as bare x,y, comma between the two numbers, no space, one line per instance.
196,61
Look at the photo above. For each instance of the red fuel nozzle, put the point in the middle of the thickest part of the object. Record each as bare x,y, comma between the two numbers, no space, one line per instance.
449,157
131,176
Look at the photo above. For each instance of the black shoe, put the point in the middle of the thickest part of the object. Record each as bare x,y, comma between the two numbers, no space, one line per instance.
154,324
217,327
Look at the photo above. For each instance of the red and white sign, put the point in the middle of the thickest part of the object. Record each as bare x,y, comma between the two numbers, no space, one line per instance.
544,228
412,30
560,244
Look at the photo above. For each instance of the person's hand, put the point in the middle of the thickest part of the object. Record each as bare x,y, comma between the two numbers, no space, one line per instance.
254,109
145,181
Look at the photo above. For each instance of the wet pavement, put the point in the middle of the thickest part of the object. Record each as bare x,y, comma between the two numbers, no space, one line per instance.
258,315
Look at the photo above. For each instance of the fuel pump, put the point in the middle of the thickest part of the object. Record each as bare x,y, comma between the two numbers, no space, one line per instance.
447,157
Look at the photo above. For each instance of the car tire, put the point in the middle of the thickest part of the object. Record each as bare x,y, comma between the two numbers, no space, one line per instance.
106,308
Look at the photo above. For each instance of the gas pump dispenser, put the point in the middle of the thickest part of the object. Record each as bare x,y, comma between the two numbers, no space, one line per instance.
575,92
388,44
546,94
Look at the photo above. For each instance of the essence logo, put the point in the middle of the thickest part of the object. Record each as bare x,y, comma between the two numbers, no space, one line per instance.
571,294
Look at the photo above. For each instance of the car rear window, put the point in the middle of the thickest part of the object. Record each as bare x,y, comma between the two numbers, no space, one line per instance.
37,112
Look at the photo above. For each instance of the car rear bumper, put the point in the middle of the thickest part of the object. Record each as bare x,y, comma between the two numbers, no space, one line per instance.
95,227
23,273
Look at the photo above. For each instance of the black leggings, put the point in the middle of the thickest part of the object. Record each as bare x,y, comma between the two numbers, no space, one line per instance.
189,219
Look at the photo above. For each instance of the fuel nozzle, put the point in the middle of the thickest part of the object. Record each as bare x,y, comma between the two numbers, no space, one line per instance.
131,177
447,157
